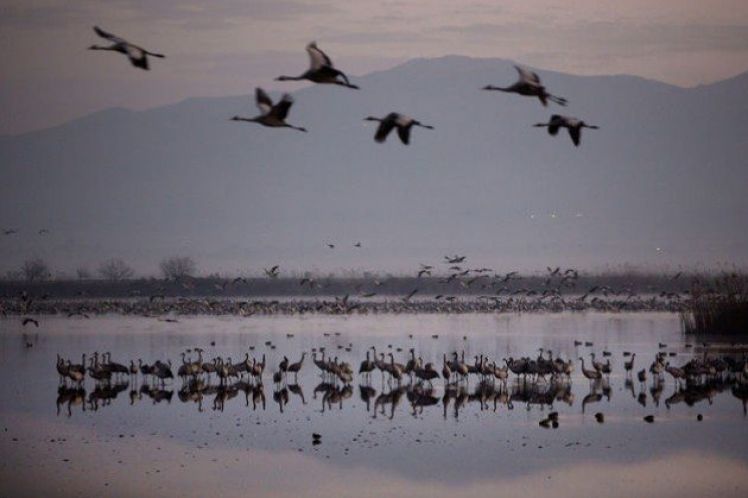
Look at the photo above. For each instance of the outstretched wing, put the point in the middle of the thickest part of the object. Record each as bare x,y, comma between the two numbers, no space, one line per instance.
575,134
527,75
109,36
404,133
263,101
281,108
317,58
384,129
404,124
137,56
555,123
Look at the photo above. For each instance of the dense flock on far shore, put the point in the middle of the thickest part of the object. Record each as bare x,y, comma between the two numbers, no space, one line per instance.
459,289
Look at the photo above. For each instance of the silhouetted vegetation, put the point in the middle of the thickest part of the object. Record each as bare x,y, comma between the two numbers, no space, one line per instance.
115,270
177,267
82,273
719,308
35,270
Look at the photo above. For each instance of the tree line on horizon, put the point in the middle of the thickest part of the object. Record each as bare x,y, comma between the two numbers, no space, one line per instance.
176,268
113,269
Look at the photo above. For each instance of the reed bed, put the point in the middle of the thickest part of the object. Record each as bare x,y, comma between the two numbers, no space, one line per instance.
718,307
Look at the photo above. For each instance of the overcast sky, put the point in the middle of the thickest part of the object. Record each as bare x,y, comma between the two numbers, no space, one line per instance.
225,47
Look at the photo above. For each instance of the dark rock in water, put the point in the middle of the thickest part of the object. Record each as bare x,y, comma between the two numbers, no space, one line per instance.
554,423
649,419
699,417
600,417
316,436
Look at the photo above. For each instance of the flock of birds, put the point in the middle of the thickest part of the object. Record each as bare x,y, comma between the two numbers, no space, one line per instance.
322,71
459,290
455,371
539,380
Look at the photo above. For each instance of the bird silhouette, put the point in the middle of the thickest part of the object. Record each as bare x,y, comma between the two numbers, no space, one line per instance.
138,56
529,85
574,126
272,116
395,120
320,70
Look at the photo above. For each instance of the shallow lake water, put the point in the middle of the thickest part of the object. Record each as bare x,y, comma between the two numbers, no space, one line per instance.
257,441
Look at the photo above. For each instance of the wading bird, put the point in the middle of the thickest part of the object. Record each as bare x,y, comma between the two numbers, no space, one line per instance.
295,368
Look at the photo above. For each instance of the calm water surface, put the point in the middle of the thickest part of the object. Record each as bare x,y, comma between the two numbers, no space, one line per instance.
258,442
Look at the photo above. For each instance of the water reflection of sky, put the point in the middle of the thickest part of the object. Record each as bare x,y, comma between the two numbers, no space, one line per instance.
413,453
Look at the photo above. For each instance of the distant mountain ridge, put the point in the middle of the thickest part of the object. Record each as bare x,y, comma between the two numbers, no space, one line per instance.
663,182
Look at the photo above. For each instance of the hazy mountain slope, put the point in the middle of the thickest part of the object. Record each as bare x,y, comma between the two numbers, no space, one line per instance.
667,169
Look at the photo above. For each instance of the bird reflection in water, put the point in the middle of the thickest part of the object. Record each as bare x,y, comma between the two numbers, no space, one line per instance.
420,397
70,396
740,391
332,394
693,393
542,394
157,394
366,393
105,394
